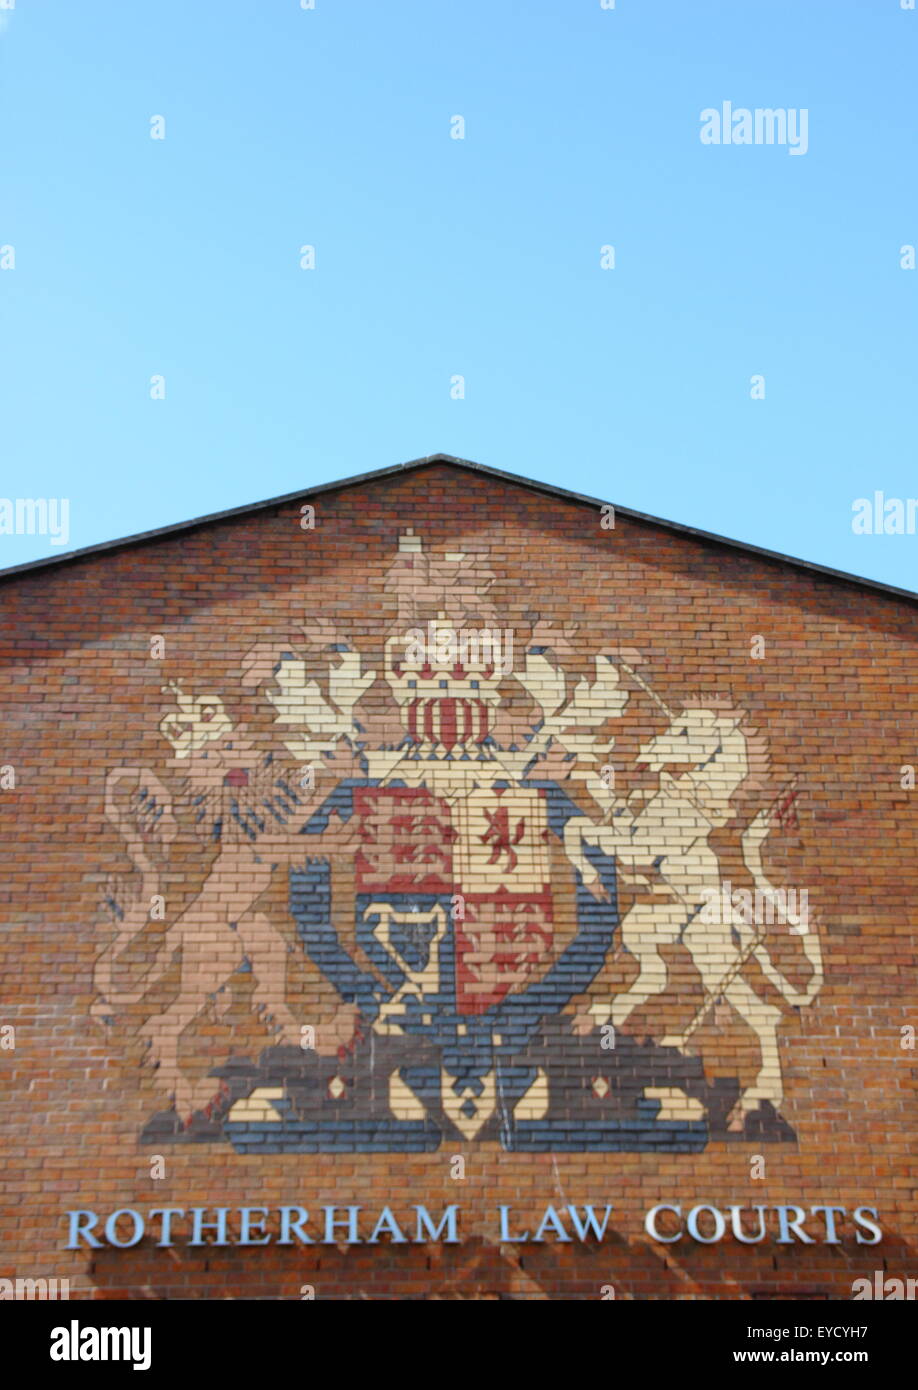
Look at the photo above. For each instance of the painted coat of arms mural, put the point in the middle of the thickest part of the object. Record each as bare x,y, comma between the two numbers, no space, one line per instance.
457,884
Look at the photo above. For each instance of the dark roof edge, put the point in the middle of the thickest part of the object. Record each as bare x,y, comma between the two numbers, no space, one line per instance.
548,489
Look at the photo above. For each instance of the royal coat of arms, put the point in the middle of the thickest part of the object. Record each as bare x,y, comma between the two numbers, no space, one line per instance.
461,884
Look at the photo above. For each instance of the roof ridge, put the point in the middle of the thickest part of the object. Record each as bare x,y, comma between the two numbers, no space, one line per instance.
549,489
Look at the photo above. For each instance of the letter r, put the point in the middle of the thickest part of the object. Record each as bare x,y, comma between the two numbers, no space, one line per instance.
80,1228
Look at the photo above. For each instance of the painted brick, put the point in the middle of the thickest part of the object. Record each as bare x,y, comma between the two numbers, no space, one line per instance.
775,710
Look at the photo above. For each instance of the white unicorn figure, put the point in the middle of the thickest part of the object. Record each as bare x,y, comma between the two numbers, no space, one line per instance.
671,835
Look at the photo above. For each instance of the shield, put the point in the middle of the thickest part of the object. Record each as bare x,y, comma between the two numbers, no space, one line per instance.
455,915
488,856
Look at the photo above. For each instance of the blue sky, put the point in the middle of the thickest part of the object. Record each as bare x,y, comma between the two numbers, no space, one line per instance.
438,257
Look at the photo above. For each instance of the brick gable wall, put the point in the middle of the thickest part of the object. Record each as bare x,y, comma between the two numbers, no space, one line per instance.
231,988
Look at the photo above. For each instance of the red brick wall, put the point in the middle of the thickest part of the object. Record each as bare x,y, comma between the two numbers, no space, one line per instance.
833,701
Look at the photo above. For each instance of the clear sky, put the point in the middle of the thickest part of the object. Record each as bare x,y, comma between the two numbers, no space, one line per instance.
480,257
